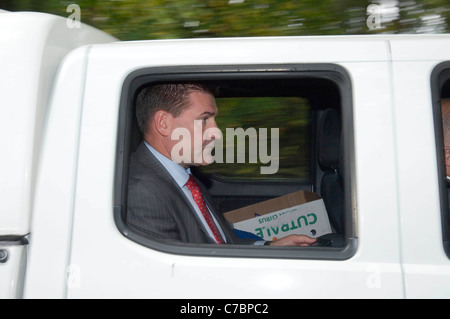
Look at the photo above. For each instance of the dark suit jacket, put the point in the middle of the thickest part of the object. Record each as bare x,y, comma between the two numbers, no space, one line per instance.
158,207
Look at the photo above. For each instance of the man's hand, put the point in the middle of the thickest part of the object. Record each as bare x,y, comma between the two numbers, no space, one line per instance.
294,240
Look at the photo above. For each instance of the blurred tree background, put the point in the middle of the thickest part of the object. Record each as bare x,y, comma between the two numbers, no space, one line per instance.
172,19
168,19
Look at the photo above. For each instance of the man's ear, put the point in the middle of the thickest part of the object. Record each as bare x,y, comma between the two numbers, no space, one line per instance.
161,122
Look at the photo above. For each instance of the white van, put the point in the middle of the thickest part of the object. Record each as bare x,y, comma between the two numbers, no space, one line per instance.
360,124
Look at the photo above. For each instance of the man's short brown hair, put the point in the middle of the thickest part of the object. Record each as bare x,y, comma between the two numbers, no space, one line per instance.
172,98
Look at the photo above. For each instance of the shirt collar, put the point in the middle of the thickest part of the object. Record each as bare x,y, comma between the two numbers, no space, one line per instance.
178,172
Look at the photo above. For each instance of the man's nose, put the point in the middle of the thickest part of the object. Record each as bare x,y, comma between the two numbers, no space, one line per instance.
213,123
214,132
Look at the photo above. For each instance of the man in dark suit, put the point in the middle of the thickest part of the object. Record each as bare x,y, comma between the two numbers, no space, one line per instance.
164,199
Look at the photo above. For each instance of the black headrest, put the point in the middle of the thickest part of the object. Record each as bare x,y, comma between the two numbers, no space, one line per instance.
329,140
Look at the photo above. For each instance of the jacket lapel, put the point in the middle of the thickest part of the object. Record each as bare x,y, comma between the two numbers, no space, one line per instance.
150,161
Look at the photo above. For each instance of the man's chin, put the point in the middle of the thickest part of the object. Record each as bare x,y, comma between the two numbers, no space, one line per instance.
204,163
204,158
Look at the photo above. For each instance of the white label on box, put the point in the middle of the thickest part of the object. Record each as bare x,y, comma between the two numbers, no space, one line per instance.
309,219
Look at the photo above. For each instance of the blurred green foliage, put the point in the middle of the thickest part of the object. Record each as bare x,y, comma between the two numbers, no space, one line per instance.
290,115
164,19
171,19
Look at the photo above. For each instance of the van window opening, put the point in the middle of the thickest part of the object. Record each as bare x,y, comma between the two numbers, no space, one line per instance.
296,103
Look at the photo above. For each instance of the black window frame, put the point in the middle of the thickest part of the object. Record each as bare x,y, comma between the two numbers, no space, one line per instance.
439,78
146,76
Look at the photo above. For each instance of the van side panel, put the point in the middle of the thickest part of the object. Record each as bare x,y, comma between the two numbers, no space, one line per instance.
106,264
51,227
32,46
425,263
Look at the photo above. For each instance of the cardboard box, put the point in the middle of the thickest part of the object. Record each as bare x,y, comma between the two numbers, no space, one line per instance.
300,213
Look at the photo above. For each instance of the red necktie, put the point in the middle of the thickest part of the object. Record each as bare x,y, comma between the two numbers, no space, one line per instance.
198,198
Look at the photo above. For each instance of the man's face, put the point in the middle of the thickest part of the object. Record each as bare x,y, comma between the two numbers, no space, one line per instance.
199,121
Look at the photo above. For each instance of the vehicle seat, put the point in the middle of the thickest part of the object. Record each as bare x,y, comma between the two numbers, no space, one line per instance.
330,159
